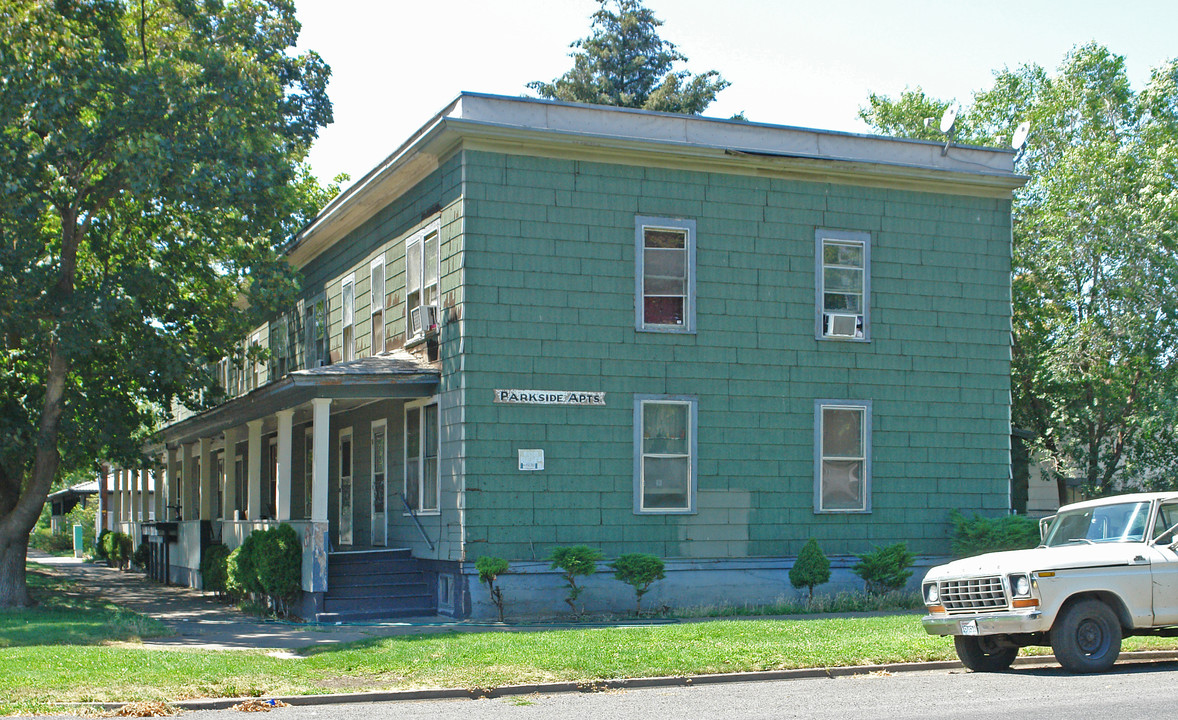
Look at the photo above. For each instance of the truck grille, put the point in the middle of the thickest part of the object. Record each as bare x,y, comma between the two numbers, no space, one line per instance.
973,595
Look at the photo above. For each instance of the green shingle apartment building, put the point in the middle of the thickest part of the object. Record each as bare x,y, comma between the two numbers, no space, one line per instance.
540,324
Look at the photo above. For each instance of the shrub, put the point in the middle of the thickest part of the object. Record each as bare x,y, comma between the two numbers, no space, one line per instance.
576,561
885,568
241,577
142,555
214,568
810,569
57,543
117,546
490,568
100,546
976,535
278,559
640,571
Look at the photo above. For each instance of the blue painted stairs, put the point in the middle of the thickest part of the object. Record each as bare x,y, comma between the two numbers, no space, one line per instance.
365,585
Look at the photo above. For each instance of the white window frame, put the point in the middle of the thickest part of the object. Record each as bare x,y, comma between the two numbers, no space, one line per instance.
419,460
254,377
825,318
863,406
377,295
640,403
643,223
348,318
419,282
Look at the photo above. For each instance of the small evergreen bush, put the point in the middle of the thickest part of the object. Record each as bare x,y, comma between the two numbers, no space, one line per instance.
885,568
100,546
241,579
142,556
116,547
278,559
490,568
576,561
810,569
640,571
214,569
977,535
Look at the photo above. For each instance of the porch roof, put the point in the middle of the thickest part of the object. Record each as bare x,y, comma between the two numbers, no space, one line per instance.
396,374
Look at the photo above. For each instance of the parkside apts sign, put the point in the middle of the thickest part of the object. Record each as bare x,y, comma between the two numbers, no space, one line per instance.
549,397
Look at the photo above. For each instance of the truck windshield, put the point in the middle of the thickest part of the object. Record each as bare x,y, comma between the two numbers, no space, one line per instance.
1124,522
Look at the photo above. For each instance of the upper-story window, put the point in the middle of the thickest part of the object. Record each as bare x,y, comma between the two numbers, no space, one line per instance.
421,281
348,300
665,275
255,365
377,302
316,328
843,283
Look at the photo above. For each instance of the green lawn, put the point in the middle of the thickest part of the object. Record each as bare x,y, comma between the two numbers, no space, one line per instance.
42,663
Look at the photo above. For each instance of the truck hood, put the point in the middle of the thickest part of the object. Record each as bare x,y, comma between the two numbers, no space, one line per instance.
1063,557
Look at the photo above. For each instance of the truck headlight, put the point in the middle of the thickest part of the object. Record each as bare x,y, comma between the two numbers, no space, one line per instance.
1020,586
931,595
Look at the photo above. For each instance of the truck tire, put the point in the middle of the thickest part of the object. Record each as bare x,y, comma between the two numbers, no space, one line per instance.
982,654
1086,637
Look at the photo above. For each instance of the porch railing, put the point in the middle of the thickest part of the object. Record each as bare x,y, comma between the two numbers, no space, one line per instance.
413,514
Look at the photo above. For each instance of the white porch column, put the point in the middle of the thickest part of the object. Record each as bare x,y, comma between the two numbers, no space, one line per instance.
254,476
117,480
321,417
143,491
159,473
229,497
207,492
189,509
282,499
132,480
173,494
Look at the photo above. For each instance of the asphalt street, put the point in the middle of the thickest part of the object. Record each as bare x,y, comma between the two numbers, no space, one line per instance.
1129,690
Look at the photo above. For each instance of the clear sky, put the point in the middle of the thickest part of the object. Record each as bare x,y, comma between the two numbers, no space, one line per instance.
395,63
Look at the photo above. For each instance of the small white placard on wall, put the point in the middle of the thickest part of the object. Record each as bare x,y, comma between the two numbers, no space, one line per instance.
531,459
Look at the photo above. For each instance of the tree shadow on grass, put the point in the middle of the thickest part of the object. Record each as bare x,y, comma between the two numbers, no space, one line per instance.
66,615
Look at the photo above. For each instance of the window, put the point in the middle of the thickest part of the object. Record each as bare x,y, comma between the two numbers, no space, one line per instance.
842,456
665,276
278,349
664,454
843,282
316,321
255,365
269,499
345,486
348,299
377,304
421,282
421,457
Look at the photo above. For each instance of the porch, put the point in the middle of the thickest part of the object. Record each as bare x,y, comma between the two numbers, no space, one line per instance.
283,453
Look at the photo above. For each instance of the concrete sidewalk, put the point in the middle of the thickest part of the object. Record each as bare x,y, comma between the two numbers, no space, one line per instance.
200,621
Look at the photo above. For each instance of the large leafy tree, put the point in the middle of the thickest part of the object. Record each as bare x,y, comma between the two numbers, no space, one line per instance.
150,170
625,63
1095,274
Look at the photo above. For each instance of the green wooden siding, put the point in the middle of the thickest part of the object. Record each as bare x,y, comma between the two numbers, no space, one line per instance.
549,252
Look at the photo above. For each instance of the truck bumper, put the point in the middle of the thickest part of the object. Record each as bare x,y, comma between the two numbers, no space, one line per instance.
1008,623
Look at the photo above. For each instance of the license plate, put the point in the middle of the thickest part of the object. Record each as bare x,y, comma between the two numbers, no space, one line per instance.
969,627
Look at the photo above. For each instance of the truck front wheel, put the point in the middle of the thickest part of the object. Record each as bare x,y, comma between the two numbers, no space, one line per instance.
983,654
1086,637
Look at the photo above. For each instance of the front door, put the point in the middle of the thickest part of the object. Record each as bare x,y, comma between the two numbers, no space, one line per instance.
379,493
345,486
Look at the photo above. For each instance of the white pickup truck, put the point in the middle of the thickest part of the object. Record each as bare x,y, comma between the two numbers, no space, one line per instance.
1105,569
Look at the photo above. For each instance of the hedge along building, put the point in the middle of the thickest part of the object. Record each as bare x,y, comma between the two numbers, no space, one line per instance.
540,324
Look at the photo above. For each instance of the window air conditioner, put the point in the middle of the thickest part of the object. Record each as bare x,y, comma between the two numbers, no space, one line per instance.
425,319
842,326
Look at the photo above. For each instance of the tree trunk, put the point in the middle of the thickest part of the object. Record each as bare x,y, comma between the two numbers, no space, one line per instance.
14,591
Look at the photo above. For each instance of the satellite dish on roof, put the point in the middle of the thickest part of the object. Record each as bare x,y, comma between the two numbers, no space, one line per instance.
948,118
1020,135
